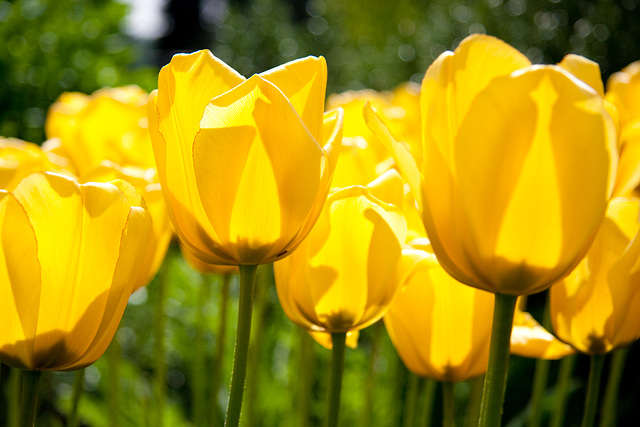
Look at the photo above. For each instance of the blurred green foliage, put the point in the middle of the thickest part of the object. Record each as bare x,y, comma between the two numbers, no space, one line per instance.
52,46
383,43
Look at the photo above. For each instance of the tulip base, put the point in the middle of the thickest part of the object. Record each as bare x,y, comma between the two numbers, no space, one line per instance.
495,380
243,336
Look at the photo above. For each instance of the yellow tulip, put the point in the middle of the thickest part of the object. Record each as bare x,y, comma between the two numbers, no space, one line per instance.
245,164
440,327
595,308
70,254
623,91
19,159
110,124
512,190
145,183
344,275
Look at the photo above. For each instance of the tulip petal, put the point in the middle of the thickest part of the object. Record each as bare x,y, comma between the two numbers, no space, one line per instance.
132,252
303,82
534,213
585,69
183,205
78,243
333,121
529,339
401,155
253,141
20,284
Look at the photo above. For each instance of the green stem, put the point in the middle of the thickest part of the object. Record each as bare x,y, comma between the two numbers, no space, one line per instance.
495,380
220,348
562,391
260,300
593,390
619,357
306,363
160,367
475,396
28,406
113,361
540,379
448,401
367,409
243,336
15,387
429,397
411,400
78,385
335,380
199,386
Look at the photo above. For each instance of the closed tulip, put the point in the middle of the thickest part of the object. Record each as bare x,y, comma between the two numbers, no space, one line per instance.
245,164
70,254
440,328
595,308
518,166
342,277
110,124
511,190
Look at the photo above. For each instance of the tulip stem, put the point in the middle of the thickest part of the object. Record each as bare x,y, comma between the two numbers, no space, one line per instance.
540,378
593,390
335,381
448,400
30,381
562,390
304,389
78,385
429,396
495,380
243,337
220,347
475,395
411,400
160,366
619,357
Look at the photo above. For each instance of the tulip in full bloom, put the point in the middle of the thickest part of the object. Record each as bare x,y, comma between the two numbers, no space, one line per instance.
440,328
596,308
512,190
70,254
344,275
245,164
